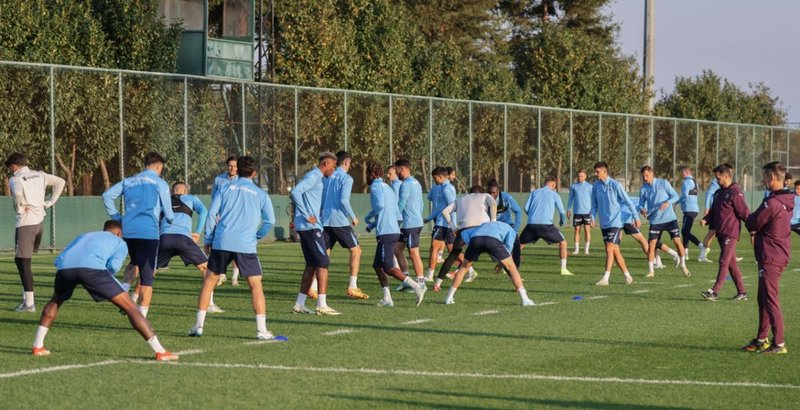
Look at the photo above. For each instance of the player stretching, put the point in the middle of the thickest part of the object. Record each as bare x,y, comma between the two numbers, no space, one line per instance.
770,226
91,260
656,199
221,181
689,209
579,204
728,209
338,219
383,219
712,189
497,239
239,216
410,207
636,234
507,205
146,198
608,198
307,199
540,206
28,190
441,197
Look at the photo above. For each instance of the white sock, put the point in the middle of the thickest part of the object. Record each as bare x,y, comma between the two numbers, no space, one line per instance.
438,282
451,292
701,247
201,319
585,248
672,253
41,332
471,270
405,273
156,345
683,261
563,264
387,294
322,300
261,323
314,285
606,275
658,260
235,275
420,280
430,272
354,281
143,310
211,301
28,298
135,298
440,254
412,283
627,274
650,266
577,247
301,299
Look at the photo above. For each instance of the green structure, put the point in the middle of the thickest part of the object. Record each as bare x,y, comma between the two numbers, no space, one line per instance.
217,36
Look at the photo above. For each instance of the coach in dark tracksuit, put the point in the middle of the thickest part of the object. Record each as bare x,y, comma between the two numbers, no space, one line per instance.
770,226
727,212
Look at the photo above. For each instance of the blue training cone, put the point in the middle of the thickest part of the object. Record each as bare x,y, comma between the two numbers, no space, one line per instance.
577,297
281,338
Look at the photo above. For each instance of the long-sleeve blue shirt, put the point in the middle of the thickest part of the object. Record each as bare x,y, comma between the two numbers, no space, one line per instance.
501,231
93,250
652,196
444,196
307,198
384,214
221,181
712,188
796,211
146,197
336,209
688,200
580,198
410,203
182,224
541,204
608,198
396,186
506,206
245,215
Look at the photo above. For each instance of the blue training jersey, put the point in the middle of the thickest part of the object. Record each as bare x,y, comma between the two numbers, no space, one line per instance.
384,214
506,206
652,196
444,196
608,199
396,186
796,212
501,231
336,209
712,189
182,224
688,199
240,215
93,250
307,198
410,203
221,181
541,204
580,198
146,197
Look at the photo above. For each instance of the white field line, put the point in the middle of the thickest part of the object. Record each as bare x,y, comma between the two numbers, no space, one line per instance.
57,369
416,322
486,312
544,304
189,352
685,285
338,332
597,297
641,291
651,283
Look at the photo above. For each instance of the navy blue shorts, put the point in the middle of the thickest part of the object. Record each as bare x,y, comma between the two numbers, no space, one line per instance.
534,232
384,252
611,235
342,234
443,233
410,237
171,245
671,227
100,284
630,229
480,244
248,263
581,219
144,255
796,228
313,245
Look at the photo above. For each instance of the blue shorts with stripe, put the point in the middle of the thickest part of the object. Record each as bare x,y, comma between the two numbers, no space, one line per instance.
611,235
410,237
342,234
100,284
384,252
171,245
248,263
313,245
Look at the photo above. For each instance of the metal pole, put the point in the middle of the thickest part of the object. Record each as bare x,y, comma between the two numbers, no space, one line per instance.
649,52
788,131
571,143
652,141
121,130
736,152
539,148
346,139
186,131
674,148
52,152
469,107
717,148
697,148
771,151
600,138
391,133
296,133
244,122
430,134
505,146
752,163
627,152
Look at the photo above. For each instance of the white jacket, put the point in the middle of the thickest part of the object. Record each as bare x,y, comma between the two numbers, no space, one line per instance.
472,209
28,190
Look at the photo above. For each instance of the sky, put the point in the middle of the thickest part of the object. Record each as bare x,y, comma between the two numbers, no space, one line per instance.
744,41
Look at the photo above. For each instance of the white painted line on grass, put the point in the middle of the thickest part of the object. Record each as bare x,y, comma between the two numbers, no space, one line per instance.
597,297
545,303
486,312
519,376
641,291
189,352
685,285
416,322
651,283
339,332
57,369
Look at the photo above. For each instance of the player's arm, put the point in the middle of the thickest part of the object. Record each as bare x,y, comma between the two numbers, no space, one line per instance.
347,189
108,200
58,184
740,206
403,197
517,211
202,214
642,202
560,207
267,217
625,200
18,195
760,218
450,197
446,214
673,198
166,202
114,263
570,199
491,204
593,209
211,219
298,195
685,188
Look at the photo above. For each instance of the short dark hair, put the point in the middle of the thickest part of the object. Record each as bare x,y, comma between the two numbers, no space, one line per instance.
686,168
777,169
402,162
342,156
492,184
111,224
581,170
550,178
450,170
797,183
789,176
16,159
232,158
725,169
438,171
153,158
646,168
245,166
179,183
601,164
374,170
326,155
476,189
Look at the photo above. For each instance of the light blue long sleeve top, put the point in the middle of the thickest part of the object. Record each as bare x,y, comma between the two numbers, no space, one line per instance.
384,214
688,201
396,186
239,216
796,212
652,196
608,198
146,197
182,224
506,206
307,198
410,203
541,204
444,196
221,181
93,250
336,209
712,188
501,231
580,198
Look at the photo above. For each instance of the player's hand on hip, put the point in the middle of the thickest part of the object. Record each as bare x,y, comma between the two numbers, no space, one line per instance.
664,206
637,223
196,237
355,221
312,219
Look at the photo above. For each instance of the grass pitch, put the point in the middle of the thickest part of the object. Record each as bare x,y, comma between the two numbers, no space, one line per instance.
655,344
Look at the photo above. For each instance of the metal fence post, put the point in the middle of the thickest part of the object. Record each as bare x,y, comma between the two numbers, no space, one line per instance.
469,124
346,139
674,148
186,131
600,137
430,134
571,143
697,148
391,133
296,133
652,141
52,153
736,152
538,149
244,121
505,146
627,151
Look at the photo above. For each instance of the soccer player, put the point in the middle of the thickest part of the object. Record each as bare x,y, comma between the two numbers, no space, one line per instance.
608,198
410,207
579,203
712,189
506,206
443,236
91,260
307,199
795,221
689,209
28,189
383,219
338,219
497,239
540,206
636,234
239,216
769,225
728,209
656,199
221,181
146,198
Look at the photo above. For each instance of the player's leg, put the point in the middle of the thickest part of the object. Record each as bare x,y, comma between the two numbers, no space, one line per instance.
726,255
622,266
703,256
577,238
772,277
458,277
681,255
386,244
27,240
147,255
305,286
587,237
651,256
251,271
609,237
456,248
516,279
562,254
640,239
735,271
353,290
